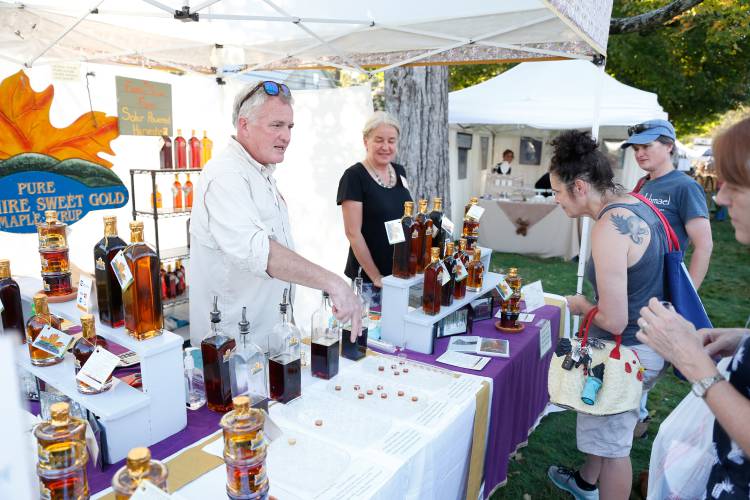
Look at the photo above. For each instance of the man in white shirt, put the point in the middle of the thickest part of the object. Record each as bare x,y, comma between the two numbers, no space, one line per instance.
241,247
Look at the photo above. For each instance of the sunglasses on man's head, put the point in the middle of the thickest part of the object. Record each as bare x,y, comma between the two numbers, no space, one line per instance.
270,88
637,129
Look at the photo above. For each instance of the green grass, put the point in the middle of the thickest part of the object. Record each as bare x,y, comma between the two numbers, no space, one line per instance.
725,294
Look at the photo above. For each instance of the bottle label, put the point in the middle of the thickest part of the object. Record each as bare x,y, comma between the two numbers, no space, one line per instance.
443,275
83,299
98,368
448,224
2,307
187,190
504,290
100,264
53,341
475,212
122,271
395,231
460,271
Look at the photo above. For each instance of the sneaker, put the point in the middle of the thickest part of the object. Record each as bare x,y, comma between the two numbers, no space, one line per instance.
564,478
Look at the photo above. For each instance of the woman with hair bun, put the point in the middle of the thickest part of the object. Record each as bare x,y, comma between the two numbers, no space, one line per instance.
626,269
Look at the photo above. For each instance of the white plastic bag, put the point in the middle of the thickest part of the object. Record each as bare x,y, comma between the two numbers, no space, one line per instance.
682,454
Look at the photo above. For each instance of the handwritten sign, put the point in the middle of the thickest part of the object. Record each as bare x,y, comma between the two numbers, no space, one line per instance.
143,107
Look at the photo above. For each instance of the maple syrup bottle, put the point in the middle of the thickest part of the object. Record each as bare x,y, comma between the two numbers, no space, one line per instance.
432,288
171,283
165,154
179,272
82,351
195,151
450,263
423,258
177,193
463,251
180,150
187,189
138,467
402,255
459,290
216,348
436,216
108,291
471,225
207,145
284,364
10,295
417,239
34,327
158,199
52,233
142,298
163,282
476,272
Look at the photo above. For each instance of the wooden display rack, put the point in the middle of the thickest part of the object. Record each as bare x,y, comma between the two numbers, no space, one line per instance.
398,323
129,416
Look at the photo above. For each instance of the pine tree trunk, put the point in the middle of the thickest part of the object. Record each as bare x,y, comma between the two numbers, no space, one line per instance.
418,98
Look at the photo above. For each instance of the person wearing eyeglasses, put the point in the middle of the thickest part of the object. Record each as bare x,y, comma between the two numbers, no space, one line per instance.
241,247
690,351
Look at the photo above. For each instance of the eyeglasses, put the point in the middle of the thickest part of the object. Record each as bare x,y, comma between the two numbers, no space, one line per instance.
637,129
270,88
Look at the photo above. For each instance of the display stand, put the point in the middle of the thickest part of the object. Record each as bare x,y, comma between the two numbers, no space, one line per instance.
129,416
398,324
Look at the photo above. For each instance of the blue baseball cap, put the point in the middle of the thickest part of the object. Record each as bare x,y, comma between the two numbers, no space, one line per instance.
649,131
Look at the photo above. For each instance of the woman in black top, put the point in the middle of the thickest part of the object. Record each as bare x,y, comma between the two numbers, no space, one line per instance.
372,192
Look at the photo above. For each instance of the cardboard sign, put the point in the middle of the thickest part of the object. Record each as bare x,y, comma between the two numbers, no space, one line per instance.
122,270
53,341
533,295
545,337
143,107
83,300
395,231
98,368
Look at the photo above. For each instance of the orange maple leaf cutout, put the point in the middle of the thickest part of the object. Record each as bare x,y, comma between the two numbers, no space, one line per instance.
25,126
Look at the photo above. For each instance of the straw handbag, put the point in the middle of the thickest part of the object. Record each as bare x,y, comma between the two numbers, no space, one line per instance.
620,386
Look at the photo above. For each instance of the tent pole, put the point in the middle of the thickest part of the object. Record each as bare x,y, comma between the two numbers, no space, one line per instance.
600,61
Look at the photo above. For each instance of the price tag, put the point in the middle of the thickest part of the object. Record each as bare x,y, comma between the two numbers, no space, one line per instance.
395,231
525,318
53,341
533,296
83,301
271,430
122,271
504,289
147,490
460,271
545,337
435,231
98,368
445,276
475,212
448,225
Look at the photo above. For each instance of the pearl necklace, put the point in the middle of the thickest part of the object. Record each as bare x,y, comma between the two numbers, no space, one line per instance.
377,177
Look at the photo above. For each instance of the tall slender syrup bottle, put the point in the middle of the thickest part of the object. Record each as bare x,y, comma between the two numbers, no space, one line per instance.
108,291
436,216
462,259
34,327
207,146
187,189
417,240
423,258
165,153
324,344
402,256
10,295
284,364
195,151
450,264
142,298
247,367
432,286
177,193
216,348
180,150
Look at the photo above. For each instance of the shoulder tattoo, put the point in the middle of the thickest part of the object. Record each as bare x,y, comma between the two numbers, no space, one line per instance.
630,226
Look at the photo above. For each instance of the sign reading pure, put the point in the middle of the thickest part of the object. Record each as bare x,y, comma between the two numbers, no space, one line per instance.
43,167
143,107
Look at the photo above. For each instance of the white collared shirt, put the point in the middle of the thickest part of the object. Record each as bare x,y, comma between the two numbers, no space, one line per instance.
237,209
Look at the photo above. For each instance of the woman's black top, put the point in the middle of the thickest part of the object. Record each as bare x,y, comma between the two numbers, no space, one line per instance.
379,205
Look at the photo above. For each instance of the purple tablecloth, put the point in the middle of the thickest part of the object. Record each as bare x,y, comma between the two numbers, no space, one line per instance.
519,392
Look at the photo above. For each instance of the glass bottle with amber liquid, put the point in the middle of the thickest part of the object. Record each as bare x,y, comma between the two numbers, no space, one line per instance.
142,298
284,366
216,348
402,255
207,146
245,451
438,238
180,150
52,233
177,193
417,239
165,153
512,309
34,327
138,467
460,272
195,151
108,291
62,455
82,351
357,349
470,229
247,368
476,272
187,190
324,342
450,264
432,287
156,196
10,295
423,218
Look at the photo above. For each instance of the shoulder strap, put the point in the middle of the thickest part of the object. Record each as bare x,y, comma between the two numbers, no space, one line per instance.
639,185
672,242
583,333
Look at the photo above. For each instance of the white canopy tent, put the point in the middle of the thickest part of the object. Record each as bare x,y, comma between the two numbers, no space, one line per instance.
538,100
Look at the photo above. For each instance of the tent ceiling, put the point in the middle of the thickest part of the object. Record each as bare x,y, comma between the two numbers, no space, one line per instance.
301,33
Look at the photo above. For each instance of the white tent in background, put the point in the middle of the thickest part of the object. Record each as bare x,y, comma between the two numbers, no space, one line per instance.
538,100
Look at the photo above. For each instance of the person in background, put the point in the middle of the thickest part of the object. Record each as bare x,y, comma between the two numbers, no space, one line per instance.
626,268
372,192
504,167
690,351
680,198
241,247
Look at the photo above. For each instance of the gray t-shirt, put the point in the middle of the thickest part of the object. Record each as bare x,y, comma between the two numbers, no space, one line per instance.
680,198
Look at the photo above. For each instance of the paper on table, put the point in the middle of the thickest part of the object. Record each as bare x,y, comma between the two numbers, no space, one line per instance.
83,300
461,360
525,318
98,368
545,337
533,296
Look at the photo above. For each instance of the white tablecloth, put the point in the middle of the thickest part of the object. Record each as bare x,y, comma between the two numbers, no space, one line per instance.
555,235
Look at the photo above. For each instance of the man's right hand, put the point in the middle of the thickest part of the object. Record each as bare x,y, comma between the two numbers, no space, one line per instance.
346,306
